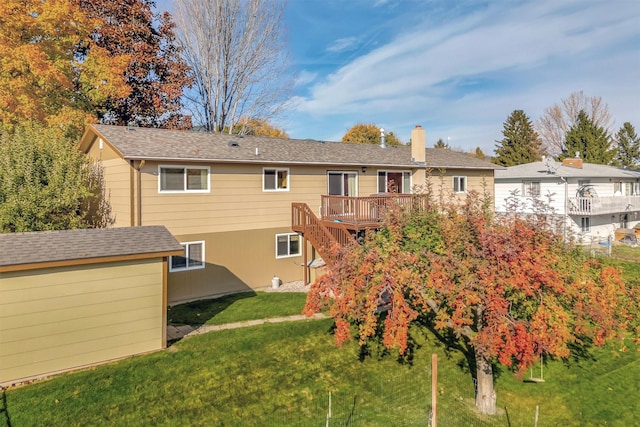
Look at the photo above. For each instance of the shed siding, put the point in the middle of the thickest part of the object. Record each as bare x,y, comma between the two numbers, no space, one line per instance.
56,319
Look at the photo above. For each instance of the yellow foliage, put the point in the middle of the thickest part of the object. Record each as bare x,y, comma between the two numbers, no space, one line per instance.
42,75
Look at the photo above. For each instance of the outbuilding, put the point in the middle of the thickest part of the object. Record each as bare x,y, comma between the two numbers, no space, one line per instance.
76,298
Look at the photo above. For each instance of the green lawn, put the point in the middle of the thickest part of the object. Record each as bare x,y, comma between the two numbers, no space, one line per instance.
237,308
282,375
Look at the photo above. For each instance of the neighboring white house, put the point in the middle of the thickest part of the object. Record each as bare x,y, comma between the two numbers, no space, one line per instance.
595,200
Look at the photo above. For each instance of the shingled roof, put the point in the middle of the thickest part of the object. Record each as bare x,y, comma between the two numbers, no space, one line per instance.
170,145
44,247
553,170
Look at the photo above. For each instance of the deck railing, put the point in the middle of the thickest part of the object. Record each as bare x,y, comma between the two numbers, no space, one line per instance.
361,211
323,238
603,205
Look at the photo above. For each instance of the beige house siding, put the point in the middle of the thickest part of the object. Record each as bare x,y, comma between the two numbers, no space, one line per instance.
478,180
117,175
55,319
236,261
236,200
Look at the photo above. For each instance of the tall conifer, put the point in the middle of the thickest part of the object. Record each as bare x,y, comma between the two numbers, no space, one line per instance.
590,141
521,143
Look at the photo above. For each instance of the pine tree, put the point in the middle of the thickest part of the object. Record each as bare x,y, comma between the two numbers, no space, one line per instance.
479,154
521,143
628,146
440,144
590,141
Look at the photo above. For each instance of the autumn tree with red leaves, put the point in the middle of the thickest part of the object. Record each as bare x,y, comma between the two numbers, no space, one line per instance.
156,73
499,290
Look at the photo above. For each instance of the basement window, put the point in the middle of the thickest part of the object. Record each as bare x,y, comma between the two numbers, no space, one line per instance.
288,245
191,259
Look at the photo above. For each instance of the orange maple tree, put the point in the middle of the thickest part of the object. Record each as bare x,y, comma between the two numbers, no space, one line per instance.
500,290
41,77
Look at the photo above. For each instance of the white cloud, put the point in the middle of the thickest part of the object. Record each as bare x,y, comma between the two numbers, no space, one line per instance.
467,74
305,77
342,45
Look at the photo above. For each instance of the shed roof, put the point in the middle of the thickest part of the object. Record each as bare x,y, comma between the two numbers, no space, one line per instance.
176,145
553,170
48,247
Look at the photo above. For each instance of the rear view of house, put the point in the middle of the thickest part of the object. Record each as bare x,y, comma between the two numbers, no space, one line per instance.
230,200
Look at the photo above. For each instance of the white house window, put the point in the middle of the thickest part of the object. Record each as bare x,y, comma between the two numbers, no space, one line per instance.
636,189
628,188
178,179
275,179
585,224
531,188
342,183
394,182
459,184
617,188
288,245
191,259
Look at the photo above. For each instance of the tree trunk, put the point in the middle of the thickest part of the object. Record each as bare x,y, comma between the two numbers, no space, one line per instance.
485,394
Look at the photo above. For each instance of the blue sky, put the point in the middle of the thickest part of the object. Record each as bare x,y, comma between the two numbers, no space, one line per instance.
458,68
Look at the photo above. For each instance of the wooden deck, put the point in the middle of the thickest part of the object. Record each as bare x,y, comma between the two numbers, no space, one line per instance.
340,221
360,213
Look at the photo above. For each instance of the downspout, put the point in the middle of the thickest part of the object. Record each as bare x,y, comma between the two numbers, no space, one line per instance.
132,190
566,210
139,192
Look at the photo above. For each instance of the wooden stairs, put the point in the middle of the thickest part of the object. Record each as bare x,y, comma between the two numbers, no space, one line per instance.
326,237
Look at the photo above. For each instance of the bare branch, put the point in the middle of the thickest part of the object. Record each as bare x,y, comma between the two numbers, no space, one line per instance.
237,52
556,121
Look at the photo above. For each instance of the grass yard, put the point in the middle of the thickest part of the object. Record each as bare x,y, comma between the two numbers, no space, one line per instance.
286,374
237,308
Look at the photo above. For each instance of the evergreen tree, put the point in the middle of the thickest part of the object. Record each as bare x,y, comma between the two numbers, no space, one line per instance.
521,143
590,141
440,144
628,146
480,154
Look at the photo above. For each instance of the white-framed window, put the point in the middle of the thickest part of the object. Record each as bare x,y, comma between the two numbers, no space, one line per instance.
191,259
636,189
394,182
531,188
275,179
459,184
288,245
585,224
183,179
342,183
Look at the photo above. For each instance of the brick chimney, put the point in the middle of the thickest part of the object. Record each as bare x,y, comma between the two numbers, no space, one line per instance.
418,144
575,162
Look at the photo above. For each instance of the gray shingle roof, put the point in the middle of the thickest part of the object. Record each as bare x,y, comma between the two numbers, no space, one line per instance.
69,245
163,144
556,169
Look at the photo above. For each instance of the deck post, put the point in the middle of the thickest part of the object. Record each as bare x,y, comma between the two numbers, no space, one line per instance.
305,262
